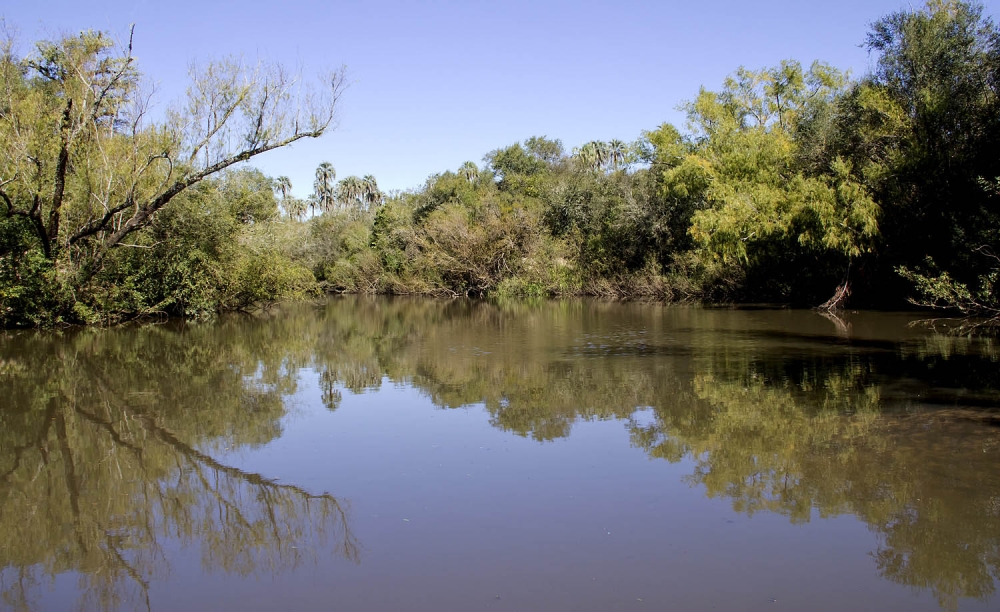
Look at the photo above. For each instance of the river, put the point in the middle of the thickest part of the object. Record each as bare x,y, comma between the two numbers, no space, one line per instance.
414,454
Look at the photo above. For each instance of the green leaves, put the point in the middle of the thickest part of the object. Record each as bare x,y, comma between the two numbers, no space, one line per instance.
834,216
923,128
774,98
82,163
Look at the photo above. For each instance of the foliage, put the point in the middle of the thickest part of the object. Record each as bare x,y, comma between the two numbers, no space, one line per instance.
979,305
788,184
923,131
758,204
324,194
83,169
214,249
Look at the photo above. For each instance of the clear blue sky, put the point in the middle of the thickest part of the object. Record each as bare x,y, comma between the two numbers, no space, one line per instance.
437,83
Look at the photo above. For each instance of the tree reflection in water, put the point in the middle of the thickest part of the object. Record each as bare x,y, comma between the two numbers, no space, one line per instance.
108,448
790,413
107,456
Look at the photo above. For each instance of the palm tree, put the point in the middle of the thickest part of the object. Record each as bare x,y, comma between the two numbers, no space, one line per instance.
350,191
616,153
371,194
592,155
603,153
323,186
470,171
294,207
283,185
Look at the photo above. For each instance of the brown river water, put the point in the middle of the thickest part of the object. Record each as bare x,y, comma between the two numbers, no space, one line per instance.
409,454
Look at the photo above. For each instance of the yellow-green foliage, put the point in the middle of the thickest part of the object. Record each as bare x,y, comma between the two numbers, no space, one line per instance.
221,246
789,182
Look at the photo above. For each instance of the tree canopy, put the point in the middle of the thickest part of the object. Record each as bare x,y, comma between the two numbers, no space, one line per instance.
795,184
83,164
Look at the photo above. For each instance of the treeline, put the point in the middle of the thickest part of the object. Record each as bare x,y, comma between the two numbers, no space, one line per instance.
788,184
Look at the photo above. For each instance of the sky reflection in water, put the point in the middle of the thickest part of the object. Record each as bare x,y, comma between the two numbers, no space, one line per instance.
420,454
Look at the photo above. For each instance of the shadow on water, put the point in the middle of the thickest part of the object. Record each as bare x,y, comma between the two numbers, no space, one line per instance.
107,446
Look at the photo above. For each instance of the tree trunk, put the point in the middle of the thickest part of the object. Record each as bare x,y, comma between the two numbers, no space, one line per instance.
836,302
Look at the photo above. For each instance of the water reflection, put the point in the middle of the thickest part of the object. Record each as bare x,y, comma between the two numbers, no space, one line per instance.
107,447
106,459
924,483
782,412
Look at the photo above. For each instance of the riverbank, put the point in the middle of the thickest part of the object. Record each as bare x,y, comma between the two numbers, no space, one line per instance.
789,184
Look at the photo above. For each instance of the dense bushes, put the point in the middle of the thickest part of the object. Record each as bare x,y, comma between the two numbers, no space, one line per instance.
219,247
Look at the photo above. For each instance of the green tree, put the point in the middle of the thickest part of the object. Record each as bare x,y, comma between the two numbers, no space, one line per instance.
470,171
548,151
293,207
351,192
323,187
762,209
283,185
371,195
617,154
214,249
923,131
680,180
514,160
85,168
594,155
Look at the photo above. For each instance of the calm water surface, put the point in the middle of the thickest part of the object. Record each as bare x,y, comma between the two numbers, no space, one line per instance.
429,455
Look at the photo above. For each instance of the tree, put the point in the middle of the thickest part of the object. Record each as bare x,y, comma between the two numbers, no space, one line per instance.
371,195
586,156
323,187
923,131
249,195
594,155
84,167
295,208
761,208
283,185
291,205
549,151
470,171
514,160
351,191
617,152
